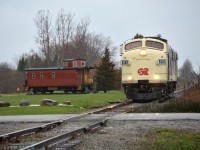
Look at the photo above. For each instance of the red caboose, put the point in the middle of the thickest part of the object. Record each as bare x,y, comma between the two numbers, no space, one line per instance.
72,77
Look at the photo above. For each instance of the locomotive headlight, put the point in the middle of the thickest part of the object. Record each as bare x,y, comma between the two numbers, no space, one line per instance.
156,77
130,77
143,52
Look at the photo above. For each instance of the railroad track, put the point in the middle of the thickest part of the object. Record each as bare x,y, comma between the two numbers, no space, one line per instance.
176,93
57,134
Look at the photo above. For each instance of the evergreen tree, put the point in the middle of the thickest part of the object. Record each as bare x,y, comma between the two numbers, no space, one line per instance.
118,76
21,64
186,72
105,73
138,36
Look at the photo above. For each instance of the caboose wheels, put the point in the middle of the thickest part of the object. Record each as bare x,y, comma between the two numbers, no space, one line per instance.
51,91
74,91
65,91
34,91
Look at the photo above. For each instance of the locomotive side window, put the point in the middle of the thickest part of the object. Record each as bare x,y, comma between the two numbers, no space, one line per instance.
154,44
133,45
53,75
41,75
33,76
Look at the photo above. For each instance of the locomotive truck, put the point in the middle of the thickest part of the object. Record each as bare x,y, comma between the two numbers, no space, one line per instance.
149,68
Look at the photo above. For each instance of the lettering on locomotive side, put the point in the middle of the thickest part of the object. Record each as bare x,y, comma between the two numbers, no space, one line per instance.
143,71
161,61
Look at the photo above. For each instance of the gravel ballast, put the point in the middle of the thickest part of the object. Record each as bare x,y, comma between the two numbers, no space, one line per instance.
128,135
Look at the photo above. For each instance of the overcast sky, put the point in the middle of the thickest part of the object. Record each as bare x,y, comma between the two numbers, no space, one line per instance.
176,20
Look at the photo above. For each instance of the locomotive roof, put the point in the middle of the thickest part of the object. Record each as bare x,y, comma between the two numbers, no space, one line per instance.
152,37
57,68
158,38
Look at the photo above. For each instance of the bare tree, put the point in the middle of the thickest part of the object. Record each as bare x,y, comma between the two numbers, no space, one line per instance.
64,28
80,38
44,34
69,40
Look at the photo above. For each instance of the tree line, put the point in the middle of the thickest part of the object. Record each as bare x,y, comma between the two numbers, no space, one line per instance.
10,79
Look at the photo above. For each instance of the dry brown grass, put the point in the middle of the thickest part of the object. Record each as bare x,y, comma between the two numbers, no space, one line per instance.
188,102
191,95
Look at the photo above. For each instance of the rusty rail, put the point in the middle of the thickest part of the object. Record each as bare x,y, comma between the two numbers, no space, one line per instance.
51,125
64,137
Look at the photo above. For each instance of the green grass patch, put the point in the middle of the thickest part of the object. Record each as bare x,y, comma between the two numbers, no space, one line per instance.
168,139
79,102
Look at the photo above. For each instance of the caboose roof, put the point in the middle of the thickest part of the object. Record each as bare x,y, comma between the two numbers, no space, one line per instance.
56,68
65,60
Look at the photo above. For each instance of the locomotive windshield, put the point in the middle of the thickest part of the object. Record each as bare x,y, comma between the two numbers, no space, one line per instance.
154,44
133,45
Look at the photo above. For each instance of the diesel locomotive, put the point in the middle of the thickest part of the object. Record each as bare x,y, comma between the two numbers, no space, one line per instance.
149,68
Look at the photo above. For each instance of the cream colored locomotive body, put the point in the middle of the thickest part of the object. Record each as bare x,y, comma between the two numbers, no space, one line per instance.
149,68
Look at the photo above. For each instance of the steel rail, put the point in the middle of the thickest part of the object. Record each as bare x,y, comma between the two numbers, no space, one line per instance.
113,106
47,126
64,137
51,125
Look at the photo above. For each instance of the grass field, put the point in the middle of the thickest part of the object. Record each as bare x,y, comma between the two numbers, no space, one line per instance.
79,102
168,139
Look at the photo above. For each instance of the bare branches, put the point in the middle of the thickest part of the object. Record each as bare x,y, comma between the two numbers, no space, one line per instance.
44,32
65,39
64,27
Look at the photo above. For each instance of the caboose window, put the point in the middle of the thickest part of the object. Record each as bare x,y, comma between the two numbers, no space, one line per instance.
33,76
53,75
82,64
74,63
133,45
41,75
154,44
